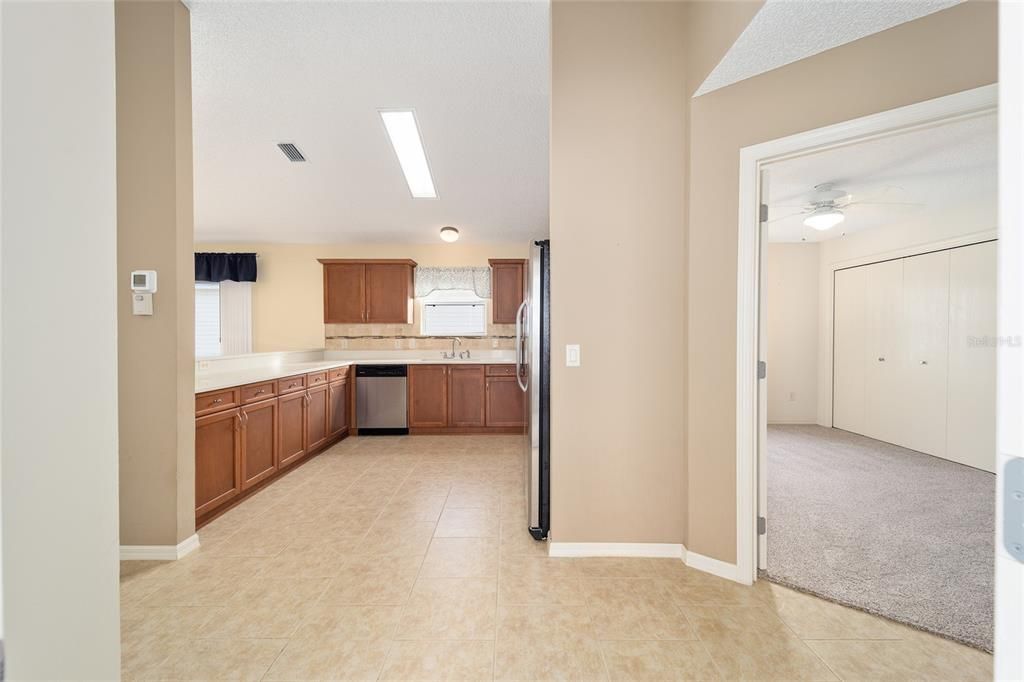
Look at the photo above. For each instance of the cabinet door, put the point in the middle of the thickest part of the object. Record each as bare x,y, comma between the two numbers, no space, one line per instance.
926,334
388,293
428,395
971,428
850,354
218,454
292,426
338,408
507,290
344,293
466,395
506,402
259,442
316,418
883,376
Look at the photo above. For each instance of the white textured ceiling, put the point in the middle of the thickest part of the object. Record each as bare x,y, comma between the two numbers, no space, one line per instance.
785,31
950,171
316,73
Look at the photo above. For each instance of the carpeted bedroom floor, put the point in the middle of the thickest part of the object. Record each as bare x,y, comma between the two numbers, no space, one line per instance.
882,528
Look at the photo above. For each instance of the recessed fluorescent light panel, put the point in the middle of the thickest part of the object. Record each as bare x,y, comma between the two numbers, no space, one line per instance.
405,138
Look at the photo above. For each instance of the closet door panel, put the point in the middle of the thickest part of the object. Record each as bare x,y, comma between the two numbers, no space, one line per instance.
848,349
883,300
971,423
926,352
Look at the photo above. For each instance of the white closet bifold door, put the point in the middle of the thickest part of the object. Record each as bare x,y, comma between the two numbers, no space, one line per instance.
971,426
849,357
884,409
926,354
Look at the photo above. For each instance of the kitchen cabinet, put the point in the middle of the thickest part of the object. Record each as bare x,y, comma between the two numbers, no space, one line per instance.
316,417
292,426
247,435
428,396
368,291
505,402
218,459
465,398
466,395
508,288
338,407
260,441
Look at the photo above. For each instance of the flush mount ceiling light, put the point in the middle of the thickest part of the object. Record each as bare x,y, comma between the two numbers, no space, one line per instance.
405,138
824,218
449,233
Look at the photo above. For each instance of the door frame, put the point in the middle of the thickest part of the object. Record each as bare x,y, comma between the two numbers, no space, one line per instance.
753,159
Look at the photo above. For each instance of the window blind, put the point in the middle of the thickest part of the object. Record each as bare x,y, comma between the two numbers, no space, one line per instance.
454,319
207,319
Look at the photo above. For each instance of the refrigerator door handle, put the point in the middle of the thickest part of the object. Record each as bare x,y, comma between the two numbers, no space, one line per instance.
519,346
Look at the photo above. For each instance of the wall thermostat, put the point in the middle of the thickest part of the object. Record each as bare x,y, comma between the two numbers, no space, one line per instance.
144,281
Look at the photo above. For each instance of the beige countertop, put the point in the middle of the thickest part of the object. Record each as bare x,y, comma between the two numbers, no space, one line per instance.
212,381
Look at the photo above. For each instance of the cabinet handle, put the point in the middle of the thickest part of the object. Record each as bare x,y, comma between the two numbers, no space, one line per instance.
238,423
218,400
261,391
881,359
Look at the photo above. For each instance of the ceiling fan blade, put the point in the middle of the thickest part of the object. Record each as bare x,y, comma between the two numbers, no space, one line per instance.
882,203
784,217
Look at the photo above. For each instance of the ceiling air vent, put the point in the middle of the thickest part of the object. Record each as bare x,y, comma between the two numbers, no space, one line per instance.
291,151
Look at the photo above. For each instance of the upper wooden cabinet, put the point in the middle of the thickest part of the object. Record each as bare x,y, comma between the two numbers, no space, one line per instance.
507,288
368,291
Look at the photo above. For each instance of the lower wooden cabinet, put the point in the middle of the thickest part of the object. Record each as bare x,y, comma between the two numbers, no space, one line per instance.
260,441
466,395
428,396
338,407
279,423
292,427
506,402
316,417
218,459
467,398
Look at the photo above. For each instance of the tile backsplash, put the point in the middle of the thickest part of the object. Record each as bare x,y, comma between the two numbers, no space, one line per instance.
407,337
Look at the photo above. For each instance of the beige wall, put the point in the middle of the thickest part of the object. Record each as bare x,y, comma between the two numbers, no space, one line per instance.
154,206
618,172
793,279
288,296
937,55
59,342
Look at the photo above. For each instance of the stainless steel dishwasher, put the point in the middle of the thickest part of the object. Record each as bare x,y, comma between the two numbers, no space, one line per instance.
381,400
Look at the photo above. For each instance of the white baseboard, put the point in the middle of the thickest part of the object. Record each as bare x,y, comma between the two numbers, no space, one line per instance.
657,550
793,422
160,552
714,567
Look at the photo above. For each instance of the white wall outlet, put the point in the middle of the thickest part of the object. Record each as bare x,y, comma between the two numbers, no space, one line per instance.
572,355
412,343
398,344
494,343
204,364
142,304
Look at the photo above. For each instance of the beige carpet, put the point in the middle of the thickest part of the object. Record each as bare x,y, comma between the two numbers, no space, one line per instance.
882,528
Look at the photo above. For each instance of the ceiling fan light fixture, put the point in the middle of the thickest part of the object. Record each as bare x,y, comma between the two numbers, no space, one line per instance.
824,218
449,234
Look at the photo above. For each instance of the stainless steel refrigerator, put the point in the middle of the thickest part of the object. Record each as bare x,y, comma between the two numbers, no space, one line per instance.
533,371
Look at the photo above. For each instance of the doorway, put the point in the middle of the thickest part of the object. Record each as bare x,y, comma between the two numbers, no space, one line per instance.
764,183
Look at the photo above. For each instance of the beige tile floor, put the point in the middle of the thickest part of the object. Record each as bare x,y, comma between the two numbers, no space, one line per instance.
408,559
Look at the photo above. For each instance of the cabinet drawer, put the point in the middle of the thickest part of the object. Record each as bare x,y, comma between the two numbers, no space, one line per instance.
291,384
316,379
215,401
262,391
501,370
338,373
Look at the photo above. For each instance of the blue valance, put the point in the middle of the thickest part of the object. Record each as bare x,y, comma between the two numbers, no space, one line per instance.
218,267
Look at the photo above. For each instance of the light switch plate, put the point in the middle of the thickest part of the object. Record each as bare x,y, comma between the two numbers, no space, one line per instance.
572,355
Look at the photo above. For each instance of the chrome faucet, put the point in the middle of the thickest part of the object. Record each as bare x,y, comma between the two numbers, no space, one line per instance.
453,355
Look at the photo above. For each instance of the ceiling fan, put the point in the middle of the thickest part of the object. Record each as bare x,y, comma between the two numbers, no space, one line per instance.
826,205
